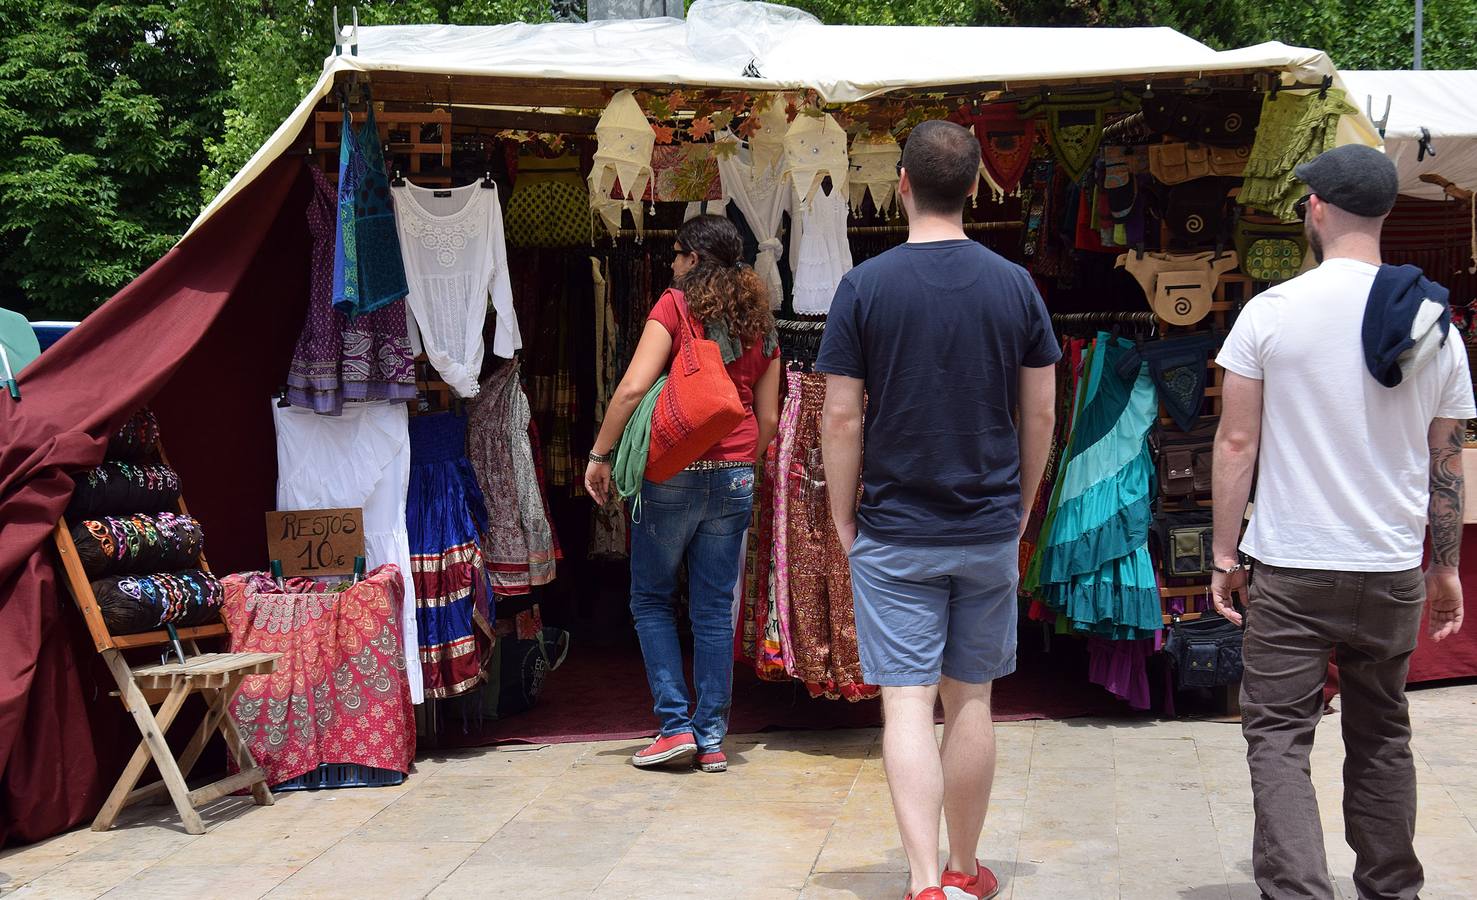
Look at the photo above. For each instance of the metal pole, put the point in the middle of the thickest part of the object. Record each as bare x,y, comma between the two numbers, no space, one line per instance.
1420,27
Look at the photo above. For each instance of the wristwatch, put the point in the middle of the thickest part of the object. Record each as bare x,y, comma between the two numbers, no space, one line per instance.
1239,567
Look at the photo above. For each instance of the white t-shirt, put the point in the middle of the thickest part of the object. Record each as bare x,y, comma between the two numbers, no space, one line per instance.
1343,479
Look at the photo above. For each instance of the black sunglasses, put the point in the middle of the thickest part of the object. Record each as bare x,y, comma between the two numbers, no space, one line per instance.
1300,208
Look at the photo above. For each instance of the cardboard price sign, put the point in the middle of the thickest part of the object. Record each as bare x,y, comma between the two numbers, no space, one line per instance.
316,541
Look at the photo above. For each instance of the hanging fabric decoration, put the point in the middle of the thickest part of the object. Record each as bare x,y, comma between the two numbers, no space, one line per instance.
767,142
1074,125
815,147
623,145
1295,127
1075,133
1005,139
874,162
684,173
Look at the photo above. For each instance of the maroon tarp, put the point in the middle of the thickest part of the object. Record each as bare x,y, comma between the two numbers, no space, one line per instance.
1437,236
1455,657
201,335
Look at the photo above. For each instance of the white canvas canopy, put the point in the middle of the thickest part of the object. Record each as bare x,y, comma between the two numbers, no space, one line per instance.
1444,103
722,39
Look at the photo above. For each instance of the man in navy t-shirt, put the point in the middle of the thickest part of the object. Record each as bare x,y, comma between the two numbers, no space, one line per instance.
950,349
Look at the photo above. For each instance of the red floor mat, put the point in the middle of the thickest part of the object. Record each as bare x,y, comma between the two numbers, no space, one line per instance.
600,694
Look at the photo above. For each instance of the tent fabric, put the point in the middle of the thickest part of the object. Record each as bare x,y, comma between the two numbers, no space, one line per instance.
173,339
1455,657
842,63
1444,103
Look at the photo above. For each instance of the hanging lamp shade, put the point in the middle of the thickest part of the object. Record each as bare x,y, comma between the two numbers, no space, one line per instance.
815,147
623,145
874,159
767,143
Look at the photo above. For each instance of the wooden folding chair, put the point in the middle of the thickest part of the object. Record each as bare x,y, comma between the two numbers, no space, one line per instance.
215,676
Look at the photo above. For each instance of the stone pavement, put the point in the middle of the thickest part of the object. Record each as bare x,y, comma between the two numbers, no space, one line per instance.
1083,808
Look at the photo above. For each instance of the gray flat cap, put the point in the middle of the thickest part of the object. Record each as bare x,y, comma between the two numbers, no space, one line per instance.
1356,178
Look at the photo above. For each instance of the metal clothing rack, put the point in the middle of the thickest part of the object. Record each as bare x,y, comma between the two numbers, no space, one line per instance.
1105,318
969,227
800,325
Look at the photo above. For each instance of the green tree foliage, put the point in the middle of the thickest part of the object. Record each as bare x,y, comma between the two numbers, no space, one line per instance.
276,51
104,111
118,118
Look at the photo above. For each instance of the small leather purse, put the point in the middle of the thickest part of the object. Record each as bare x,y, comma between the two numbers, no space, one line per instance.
1270,252
1185,460
1206,652
1185,539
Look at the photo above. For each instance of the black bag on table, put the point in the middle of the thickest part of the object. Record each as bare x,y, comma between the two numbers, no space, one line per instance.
1206,652
518,669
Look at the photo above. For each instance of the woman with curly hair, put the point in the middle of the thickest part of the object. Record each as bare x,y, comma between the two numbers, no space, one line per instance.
702,513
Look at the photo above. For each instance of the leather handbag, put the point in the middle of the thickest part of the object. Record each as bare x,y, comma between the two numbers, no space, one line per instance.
1206,652
1185,538
1198,214
1270,252
697,407
1227,119
1176,163
1185,460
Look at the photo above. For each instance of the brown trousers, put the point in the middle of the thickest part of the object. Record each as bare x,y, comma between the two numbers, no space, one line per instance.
1295,619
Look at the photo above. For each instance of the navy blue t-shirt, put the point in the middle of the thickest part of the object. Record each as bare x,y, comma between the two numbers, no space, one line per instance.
938,332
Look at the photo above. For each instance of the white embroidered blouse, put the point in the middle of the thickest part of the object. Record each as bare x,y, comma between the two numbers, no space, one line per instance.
456,262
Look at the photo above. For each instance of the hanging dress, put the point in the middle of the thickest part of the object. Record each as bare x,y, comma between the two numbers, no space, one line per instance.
368,271
447,512
455,258
358,459
338,358
821,252
518,542
761,195
1095,564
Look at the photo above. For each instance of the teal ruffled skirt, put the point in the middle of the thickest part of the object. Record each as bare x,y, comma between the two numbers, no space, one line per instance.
1095,567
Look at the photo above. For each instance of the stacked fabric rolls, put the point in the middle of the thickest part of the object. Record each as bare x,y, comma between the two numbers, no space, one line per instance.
142,555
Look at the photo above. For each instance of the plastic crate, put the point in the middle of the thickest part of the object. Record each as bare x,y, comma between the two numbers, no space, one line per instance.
342,775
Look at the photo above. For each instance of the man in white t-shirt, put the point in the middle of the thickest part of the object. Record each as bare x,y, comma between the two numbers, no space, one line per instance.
1349,473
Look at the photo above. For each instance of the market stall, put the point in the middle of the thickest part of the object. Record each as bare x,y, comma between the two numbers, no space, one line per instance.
512,192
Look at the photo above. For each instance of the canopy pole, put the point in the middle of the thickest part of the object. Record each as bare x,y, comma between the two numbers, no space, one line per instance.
1420,27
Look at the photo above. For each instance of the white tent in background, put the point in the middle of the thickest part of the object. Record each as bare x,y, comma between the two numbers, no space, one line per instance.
1443,103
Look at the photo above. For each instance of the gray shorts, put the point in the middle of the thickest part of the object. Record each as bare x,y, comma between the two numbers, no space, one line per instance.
922,612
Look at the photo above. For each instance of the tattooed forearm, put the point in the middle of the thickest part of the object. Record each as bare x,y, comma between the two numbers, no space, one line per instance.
1447,491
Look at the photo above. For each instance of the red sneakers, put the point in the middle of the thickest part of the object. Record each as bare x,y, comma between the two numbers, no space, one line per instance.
712,761
666,749
930,894
984,885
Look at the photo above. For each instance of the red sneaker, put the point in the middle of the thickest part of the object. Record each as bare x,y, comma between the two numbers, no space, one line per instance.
666,749
930,894
712,761
984,885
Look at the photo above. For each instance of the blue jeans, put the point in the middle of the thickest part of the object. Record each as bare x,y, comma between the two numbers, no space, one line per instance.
702,517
